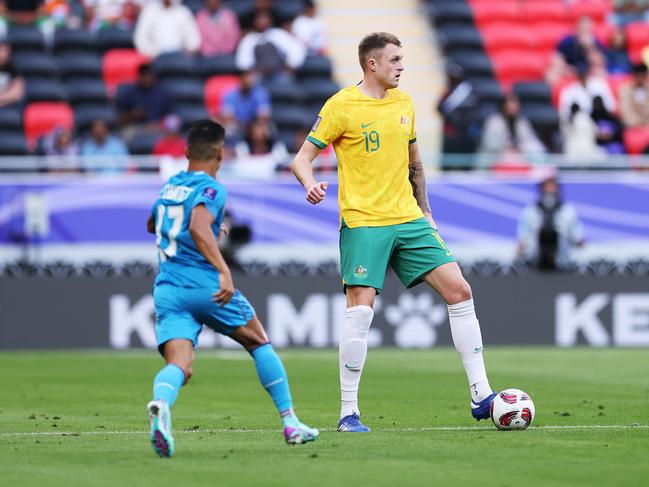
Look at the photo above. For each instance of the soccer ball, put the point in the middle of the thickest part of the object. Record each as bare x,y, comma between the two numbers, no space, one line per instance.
512,409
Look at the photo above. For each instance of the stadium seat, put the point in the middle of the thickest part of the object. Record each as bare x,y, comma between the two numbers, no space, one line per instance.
215,88
11,118
76,64
114,38
513,66
287,10
194,5
637,34
13,144
533,92
189,113
217,65
318,90
473,62
501,35
174,65
488,90
534,11
542,115
184,90
596,10
41,117
85,90
548,34
74,40
85,114
285,92
459,36
35,64
120,66
289,116
636,140
44,90
315,66
143,144
450,11
26,38
558,87
486,13
616,83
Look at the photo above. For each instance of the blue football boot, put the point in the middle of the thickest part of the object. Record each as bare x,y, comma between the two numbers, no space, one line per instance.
352,424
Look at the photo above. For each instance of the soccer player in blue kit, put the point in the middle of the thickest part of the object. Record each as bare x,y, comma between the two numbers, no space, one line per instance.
194,288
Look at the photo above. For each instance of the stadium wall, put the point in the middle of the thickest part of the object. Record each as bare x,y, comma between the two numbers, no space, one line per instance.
562,310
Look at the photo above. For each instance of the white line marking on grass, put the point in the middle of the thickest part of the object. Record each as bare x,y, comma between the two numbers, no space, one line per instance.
391,430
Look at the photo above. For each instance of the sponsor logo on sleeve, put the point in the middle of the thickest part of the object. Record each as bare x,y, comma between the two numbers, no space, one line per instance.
209,193
316,124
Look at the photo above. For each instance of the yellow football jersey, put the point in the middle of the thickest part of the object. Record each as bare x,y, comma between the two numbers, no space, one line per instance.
370,138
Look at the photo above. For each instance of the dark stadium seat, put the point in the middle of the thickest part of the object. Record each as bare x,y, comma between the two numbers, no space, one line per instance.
488,89
194,5
487,12
85,114
184,90
35,64
41,117
315,66
450,11
538,91
542,115
74,40
44,90
114,38
473,62
120,66
13,143
287,10
174,65
290,116
282,92
241,7
318,90
143,144
217,65
25,38
215,88
459,36
86,91
189,113
76,64
11,119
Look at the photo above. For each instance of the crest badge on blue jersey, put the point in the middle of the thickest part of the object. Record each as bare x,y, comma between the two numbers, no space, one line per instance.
209,193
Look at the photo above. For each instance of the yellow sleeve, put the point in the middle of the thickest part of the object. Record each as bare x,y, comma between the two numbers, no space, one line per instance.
328,126
413,132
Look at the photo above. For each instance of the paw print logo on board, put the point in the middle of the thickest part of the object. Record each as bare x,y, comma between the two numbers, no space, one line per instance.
415,318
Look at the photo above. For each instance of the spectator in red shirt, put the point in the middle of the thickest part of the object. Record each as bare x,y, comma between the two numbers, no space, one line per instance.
172,143
219,29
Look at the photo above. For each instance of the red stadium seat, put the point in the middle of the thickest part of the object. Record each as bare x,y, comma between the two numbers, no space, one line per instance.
603,32
41,117
548,34
617,81
637,35
636,139
597,10
215,88
558,87
502,35
485,13
513,66
546,11
120,66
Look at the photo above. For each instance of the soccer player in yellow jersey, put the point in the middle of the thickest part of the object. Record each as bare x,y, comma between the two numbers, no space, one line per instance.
385,217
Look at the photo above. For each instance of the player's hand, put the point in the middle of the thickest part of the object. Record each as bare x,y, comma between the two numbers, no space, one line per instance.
317,192
224,229
226,289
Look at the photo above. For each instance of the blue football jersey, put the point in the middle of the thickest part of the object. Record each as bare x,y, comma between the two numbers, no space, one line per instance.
180,262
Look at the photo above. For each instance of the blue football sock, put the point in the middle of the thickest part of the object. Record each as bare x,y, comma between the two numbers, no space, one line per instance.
167,383
273,377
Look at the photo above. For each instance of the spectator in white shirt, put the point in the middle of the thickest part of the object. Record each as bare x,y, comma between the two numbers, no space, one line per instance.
270,50
166,26
582,92
309,28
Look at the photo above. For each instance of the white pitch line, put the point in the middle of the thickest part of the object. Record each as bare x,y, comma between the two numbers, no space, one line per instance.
393,430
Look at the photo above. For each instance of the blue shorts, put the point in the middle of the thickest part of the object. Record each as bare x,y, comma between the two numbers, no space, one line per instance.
182,312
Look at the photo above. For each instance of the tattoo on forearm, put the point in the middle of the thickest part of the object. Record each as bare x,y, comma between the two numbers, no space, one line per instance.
418,182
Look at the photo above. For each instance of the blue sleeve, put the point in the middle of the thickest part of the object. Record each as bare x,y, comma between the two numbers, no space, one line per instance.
263,98
213,197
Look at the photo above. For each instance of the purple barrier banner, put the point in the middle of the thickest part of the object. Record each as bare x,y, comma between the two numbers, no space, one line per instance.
469,208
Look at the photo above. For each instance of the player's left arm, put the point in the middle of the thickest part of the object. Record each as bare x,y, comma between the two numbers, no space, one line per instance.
418,181
150,224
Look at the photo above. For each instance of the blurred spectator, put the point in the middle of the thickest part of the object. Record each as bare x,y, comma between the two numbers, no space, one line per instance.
269,50
112,13
459,110
309,28
582,91
580,137
549,230
12,86
60,142
242,105
626,11
617,56
166,26
143,104
24,11
578,52
508,132
103,151
219,29
172,142
248,19
634,99
258,154
609,128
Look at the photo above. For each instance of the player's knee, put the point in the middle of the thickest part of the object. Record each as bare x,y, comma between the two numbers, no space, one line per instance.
459,293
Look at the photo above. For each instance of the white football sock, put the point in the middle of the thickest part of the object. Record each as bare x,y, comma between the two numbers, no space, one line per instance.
467,339
352,353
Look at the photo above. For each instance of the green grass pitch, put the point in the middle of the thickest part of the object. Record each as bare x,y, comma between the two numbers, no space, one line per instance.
78,419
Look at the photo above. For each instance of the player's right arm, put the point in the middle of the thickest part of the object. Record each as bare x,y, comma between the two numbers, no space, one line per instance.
200,229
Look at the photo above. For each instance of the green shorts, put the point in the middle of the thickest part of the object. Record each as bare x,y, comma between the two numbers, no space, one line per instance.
412,249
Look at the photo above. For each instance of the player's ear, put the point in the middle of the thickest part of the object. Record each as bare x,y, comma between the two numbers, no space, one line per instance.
371,63
219,152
